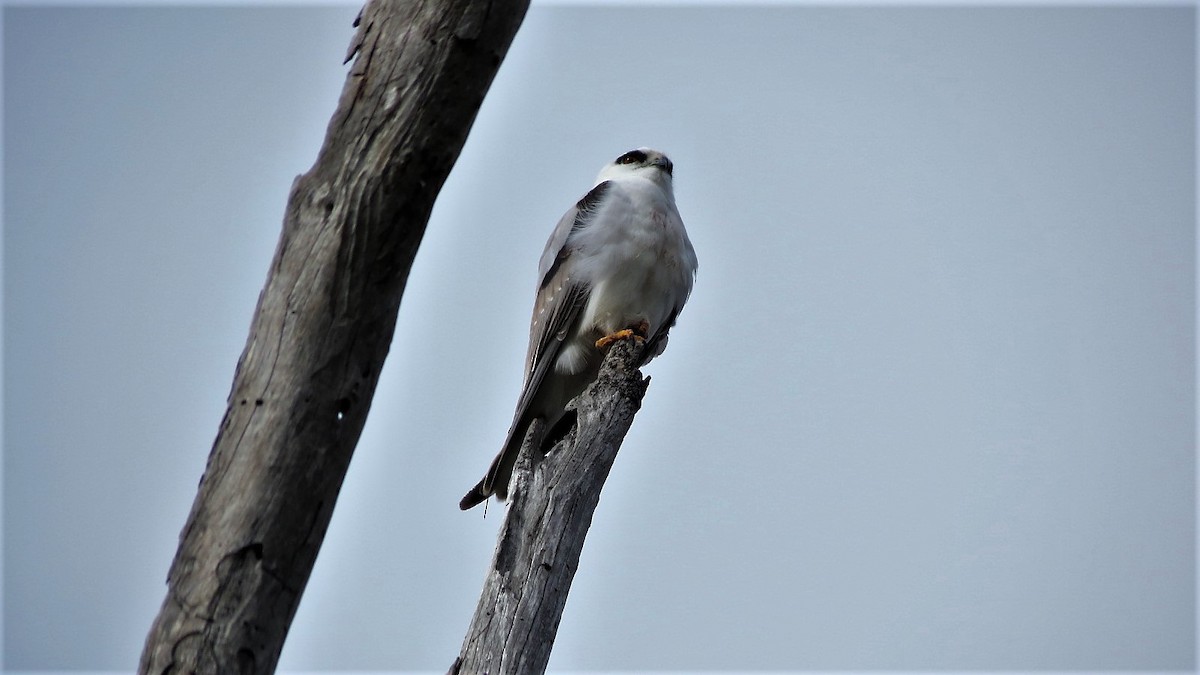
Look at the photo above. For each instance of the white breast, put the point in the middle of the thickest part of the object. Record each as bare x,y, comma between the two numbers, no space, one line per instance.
638,260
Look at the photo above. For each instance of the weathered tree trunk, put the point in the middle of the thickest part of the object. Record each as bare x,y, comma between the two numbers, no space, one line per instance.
550,509
322,329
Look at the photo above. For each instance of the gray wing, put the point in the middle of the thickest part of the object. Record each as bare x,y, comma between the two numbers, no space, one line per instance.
546,333
562,298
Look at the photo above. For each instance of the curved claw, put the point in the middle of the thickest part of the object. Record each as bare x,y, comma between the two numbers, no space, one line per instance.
638,332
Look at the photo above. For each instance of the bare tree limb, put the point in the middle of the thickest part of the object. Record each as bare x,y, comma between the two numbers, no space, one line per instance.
322,329
550,510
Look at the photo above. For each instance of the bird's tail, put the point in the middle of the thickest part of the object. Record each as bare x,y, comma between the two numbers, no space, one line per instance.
476,496
495,481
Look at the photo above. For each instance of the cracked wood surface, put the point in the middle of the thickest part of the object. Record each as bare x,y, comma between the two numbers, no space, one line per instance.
550,510
322,329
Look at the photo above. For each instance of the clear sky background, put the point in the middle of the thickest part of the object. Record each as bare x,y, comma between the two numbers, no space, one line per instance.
932,404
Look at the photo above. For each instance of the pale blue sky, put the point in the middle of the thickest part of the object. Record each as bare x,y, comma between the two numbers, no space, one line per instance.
932,405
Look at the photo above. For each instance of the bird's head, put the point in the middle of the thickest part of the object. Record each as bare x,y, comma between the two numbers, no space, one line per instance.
643,163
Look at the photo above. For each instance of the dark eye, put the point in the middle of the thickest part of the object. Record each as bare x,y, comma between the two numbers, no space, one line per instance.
632,157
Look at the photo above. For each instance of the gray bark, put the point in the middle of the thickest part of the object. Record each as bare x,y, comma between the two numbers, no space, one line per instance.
549,512
322,329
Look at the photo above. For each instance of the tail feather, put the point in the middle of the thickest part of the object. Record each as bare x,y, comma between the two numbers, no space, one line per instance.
495,481
475,497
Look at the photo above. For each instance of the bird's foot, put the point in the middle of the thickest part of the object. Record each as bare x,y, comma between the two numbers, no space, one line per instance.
613,337
639,332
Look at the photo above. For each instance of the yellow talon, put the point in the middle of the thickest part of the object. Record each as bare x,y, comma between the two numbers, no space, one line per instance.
619,335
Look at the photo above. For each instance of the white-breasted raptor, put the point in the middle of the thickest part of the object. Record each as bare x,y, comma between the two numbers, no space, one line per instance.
618,264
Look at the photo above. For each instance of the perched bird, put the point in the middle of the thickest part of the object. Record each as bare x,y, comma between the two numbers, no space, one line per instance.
618,264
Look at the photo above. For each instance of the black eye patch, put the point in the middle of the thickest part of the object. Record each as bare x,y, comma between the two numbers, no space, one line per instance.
632,157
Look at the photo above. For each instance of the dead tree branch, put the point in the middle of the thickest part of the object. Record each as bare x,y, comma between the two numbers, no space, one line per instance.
322,329
550,511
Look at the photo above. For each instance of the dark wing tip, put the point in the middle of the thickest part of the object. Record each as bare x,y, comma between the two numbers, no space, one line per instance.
473,498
